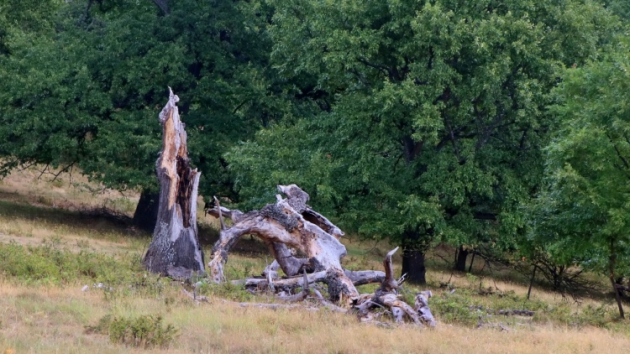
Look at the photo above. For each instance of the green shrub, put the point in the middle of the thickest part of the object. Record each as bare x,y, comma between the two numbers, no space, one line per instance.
50,264
144,332
102,327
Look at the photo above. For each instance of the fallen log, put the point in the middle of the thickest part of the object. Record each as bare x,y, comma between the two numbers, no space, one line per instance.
357,277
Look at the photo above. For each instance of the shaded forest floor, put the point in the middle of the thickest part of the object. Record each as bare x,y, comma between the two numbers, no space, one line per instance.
70,266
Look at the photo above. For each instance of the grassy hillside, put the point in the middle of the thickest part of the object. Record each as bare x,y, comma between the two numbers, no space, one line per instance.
71,281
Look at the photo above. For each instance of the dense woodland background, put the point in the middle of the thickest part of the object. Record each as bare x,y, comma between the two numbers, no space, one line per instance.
501,128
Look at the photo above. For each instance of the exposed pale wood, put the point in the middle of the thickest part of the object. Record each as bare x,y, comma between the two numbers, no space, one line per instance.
271,271
233,214
357,278
216,200
422,308
340,287
285,284
389,284
386,296
287,261
398,314
321,221
363,277
392,300
283,227
328,304
175,244
302,295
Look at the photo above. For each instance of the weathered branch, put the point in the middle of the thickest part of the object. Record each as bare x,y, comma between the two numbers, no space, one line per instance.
216,200
386,296
302,295
357,278
389,284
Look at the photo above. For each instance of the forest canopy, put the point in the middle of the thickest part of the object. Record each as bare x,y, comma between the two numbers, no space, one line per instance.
497,127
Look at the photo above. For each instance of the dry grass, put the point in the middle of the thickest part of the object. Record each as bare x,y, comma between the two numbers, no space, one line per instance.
52,319
69,191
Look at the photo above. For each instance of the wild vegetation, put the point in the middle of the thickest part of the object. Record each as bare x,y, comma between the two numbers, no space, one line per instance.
488,140
71,278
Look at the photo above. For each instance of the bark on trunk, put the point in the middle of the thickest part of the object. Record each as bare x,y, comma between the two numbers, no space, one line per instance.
462,257
472,261
413,265
146,212
612,264
175,249
617,298
531,281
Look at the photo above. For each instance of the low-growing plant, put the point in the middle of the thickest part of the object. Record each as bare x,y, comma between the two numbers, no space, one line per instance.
102,327
144,331
50,264
225,290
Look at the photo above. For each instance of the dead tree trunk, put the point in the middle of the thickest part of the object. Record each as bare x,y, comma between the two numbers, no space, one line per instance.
175,249
299,238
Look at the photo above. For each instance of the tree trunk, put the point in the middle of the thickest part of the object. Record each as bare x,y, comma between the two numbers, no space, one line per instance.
175,249
413,265
617,298
462,257
146,212
472,261
531,281
612,264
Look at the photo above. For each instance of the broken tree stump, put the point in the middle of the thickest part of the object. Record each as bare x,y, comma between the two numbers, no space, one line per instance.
175,249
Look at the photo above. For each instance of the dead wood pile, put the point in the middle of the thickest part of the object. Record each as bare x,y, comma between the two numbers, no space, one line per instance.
306,247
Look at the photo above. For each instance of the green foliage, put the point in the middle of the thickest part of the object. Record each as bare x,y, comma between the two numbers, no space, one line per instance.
144,331
581,216
433,116
587,162
620,8
49,264
225,290
88,93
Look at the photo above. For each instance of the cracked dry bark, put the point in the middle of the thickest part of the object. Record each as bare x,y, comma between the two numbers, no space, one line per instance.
174,248
290,226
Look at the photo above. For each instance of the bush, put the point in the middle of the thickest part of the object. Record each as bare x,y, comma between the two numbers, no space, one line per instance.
144,331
